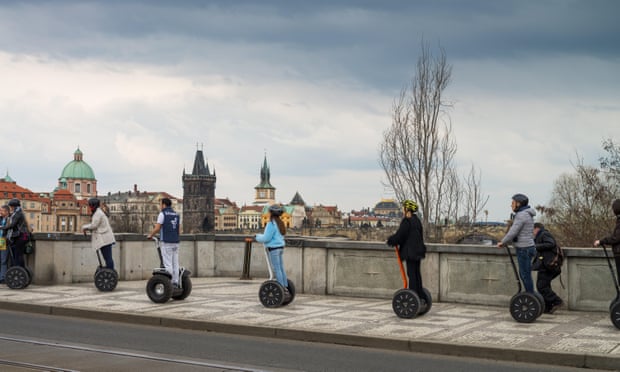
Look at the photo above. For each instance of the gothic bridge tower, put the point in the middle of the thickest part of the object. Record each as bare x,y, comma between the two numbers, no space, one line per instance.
198,198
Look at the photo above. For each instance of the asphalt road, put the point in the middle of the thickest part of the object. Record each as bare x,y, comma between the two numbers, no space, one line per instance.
52,343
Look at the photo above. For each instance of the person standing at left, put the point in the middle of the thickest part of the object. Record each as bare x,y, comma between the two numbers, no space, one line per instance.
521,234
4,254
17,232
168,222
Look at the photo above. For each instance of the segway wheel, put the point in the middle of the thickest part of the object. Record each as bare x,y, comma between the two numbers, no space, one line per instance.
541,301
186,283
614,313
106,279
30,275
612,303
271,294
17,277
524,307
427,302
406,303
291,290
159,288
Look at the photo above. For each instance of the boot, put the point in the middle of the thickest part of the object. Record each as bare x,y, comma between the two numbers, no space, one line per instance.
287,295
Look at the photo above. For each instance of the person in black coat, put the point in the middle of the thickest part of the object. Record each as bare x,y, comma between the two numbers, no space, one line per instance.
17,233
546,247
410,241
614,239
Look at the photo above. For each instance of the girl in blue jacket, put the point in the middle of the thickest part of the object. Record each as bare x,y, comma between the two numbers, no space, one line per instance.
273,239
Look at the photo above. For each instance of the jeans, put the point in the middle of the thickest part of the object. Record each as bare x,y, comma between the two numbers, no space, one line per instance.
275,256
170,256
106,252
524,258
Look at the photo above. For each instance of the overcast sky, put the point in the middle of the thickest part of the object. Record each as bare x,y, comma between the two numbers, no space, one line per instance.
137,84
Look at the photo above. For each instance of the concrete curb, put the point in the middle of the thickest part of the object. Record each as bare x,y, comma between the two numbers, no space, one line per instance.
593,361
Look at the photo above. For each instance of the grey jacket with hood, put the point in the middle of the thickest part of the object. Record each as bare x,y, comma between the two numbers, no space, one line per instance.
521,233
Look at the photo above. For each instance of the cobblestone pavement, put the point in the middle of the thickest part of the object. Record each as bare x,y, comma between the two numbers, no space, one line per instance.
584,339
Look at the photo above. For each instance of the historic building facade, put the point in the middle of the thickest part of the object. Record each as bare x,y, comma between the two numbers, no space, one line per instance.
136,211
62,210
78,178
198,197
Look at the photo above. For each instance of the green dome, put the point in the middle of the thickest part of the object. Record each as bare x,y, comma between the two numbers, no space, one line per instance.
77,169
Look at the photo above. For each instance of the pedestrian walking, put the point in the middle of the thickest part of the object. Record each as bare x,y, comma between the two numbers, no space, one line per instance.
547,249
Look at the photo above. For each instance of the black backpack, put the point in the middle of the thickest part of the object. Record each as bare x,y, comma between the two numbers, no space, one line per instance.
558,259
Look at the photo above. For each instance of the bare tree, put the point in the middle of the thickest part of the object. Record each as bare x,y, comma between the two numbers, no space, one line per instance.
417,151
581,205
610,164
474,200
454,196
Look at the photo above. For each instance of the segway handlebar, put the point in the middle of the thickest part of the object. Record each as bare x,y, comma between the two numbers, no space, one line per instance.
402,269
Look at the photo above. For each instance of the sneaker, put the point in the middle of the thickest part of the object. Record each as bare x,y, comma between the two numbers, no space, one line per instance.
555,306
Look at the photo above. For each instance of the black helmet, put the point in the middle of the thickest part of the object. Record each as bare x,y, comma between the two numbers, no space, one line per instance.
94,203
276,210
14,203
521,199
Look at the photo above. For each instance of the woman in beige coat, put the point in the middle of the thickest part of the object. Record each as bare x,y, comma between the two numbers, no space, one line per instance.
102,234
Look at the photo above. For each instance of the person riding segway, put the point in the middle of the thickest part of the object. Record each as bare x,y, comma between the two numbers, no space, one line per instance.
102,239
413,299
279,292
168,280
614,241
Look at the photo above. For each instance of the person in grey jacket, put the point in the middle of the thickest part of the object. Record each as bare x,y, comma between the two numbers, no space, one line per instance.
521,234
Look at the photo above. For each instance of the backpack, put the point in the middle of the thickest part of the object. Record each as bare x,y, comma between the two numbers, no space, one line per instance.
558,259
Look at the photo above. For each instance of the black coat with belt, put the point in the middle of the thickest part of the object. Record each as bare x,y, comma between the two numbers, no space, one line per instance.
410,239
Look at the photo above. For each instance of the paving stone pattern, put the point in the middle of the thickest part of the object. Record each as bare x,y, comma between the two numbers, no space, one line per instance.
233,301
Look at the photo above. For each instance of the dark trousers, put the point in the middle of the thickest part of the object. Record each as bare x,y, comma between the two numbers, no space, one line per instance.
106,252
543,284
415,277
17,246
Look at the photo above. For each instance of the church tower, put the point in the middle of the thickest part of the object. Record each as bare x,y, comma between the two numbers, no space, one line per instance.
198,198
265,193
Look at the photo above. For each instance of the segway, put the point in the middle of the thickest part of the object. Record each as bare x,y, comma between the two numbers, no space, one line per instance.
525,307
614,306
406,303
105,279
160,289
271,293
17,277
